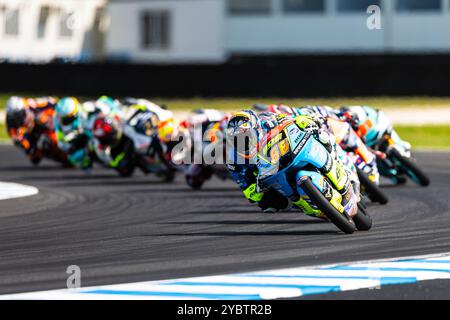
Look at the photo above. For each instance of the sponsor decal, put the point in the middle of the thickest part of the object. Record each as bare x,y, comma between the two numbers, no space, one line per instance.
293,130
302,142
328,163
271,142
338,172
283,146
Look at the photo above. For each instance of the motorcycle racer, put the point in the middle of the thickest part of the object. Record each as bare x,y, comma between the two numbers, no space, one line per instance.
29,123
103,106
371,125
344,134
171,132
72,132
132,141
207,132
241,162
247,123
393,154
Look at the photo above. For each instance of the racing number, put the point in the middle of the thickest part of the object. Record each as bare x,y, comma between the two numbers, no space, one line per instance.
279,150
274,154
284,146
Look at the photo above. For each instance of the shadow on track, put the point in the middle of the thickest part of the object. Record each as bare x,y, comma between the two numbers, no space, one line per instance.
221,212
251,233
31,168
73,177
248,222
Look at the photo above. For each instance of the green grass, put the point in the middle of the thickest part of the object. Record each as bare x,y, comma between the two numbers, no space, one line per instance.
3,99
421,137
240,103
428,136
3,133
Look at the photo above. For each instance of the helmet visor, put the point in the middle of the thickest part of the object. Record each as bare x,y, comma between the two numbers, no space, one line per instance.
16,119
106,140
65,121
243,143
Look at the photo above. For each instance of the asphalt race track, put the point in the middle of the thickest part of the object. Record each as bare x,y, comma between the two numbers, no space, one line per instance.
134,229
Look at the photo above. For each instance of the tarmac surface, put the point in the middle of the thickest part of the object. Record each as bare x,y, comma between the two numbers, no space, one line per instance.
121,230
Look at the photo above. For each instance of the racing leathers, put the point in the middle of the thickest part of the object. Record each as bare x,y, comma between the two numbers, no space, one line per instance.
342,131
135,144
268,200
372,125
344,195
246,174
34,132
74,139
170,131
206,128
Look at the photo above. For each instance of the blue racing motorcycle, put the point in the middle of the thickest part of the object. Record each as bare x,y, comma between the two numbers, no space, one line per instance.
294,162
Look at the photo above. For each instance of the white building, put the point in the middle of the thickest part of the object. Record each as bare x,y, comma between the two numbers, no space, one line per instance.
42,30
336,26
204,31
167,30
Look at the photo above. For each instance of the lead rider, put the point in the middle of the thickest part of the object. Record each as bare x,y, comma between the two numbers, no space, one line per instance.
244,162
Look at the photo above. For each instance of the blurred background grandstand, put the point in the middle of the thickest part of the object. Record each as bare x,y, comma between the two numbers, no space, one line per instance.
226,54
212,31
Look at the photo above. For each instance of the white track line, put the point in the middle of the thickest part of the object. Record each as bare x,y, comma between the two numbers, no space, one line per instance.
270,284
9,190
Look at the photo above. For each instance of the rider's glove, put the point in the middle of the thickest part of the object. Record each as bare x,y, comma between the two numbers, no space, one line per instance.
252,194
307,123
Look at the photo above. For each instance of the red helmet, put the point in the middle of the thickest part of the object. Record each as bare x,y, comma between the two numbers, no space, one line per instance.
105,131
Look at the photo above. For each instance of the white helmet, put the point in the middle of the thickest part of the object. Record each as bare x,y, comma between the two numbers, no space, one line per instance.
15,104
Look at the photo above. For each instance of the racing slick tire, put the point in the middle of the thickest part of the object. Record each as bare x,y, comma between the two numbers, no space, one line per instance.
362,219
197,175
194,183
371,189
168,176
126,171
410,168
340,220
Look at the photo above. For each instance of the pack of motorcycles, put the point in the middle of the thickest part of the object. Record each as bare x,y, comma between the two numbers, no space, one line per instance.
159,152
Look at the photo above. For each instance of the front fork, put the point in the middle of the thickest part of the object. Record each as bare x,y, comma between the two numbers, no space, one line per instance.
339,193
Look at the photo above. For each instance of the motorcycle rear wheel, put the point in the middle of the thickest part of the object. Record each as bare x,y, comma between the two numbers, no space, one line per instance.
410,168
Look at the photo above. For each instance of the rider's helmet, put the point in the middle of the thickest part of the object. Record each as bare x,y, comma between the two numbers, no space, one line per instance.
146,124
168,130
269,120
368,123
244,132
18,114
105,104
106,131
15,103
350,116
67,110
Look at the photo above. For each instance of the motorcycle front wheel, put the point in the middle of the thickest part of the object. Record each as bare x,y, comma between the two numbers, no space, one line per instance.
340,220
371,189
362,219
